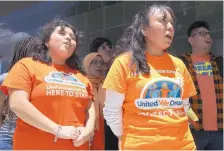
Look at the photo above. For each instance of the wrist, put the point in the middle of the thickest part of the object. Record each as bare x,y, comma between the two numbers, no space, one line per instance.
54,128
59,128
90,132
89,129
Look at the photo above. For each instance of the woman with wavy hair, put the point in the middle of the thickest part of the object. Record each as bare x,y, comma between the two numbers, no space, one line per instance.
140,122
49,94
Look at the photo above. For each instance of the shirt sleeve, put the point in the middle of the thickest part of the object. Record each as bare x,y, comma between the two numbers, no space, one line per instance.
113,111
116,77
188,87
19,77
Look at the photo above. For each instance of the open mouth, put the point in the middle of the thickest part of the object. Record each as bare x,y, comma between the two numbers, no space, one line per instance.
168,36
67,44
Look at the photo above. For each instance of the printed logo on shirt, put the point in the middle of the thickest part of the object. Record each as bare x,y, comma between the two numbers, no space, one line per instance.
63,78
163,95
203,68
71,85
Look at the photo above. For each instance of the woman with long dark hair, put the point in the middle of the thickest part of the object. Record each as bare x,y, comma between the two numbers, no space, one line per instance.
23,48
140,121
50,95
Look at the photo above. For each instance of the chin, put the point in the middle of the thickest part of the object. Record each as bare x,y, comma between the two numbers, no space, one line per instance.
165,47
66,53
206,51
64,56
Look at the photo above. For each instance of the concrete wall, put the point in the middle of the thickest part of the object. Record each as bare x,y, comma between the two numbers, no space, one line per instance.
109,19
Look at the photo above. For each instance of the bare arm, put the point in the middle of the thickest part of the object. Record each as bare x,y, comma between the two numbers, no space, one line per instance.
113,111
20,105
90,123
87,132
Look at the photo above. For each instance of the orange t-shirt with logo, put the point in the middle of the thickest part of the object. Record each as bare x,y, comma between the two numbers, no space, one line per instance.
152,122
203,69
60,93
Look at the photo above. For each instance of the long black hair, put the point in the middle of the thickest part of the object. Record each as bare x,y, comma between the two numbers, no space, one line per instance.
43,56
133,39
23,48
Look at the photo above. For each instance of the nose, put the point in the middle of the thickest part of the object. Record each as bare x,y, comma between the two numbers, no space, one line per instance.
68,37
208,36
170,26
99,64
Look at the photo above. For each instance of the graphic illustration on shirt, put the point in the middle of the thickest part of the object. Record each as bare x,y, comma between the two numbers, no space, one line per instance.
63,78
69,85
203,68
162,97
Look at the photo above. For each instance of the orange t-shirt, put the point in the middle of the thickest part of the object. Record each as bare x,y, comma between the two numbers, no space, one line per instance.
203,68
60,93
151,122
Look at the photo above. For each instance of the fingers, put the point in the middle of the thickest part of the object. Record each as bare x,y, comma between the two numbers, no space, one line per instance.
75,133
80,140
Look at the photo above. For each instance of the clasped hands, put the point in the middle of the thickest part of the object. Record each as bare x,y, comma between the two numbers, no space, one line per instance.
79,135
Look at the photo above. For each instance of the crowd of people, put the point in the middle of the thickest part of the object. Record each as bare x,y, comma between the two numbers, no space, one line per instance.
135,96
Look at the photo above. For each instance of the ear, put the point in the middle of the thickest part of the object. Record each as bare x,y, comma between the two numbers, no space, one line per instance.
143,30
190,40
46,43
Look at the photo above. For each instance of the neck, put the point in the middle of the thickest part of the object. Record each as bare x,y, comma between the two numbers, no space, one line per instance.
108,64
199,51
155,52
95,80
58,62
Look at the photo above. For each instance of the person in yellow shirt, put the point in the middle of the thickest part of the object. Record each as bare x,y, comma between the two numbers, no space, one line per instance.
141,122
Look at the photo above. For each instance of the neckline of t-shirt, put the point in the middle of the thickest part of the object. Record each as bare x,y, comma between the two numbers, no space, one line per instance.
204,57
57,66
149,56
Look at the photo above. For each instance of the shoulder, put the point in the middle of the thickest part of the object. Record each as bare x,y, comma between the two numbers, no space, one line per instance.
29,62
178,63
124,59
176,60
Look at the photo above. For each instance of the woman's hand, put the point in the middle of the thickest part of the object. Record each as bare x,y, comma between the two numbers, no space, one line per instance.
69,132
85,134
